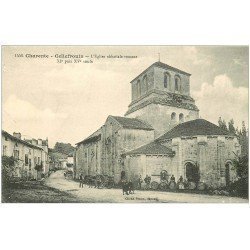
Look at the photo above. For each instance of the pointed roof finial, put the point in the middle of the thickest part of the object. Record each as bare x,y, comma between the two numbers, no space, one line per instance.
159,57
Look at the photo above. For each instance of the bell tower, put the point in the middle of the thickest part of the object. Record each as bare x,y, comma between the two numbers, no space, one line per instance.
161,97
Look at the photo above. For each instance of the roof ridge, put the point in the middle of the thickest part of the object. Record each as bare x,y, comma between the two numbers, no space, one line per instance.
22,141
198,126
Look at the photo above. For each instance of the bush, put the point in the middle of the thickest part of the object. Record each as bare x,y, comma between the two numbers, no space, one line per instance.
239,188
8,168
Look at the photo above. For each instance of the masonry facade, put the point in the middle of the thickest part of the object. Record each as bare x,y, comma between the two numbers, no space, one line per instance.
27,154
161,131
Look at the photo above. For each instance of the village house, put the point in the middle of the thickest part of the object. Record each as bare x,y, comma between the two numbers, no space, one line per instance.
31,156
161,132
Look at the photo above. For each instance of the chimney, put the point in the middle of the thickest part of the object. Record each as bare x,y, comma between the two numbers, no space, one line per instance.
40,142
17,135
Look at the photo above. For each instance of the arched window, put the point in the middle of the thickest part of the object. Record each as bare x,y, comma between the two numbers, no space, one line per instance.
181,117
166,80
138,88
173,116
145,82
177,81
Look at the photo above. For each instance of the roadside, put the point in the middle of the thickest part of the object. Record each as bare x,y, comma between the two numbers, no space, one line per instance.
34,192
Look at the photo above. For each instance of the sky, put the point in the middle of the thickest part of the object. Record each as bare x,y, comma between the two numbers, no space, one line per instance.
66,102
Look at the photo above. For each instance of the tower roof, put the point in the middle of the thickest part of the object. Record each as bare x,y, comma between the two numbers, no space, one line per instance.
194,128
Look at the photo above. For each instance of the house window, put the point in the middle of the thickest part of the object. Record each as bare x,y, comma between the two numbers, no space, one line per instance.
4,150
38,160
30,151
35,160
16,154
145,82
173,116
166,80
181,117
26,160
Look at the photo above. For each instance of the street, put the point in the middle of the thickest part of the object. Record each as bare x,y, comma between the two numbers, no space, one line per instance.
86,194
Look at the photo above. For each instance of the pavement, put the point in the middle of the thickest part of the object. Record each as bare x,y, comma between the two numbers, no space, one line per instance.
86,194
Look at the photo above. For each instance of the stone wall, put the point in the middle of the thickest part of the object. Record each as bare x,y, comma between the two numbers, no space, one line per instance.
25,169
152,165
159,116
104,156
159,81
209,153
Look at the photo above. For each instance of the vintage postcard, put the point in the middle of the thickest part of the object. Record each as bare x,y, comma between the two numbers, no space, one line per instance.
125,124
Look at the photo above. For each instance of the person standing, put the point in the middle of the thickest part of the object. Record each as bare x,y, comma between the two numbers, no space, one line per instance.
147,181
140,181
81,180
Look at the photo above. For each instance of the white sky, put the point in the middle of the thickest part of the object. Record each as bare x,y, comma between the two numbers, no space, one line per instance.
67,102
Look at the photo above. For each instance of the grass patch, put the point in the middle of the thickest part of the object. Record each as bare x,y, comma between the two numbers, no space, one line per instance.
34,192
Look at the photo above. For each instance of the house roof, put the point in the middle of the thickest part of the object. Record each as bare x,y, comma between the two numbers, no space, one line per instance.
132,123
152,148
92,138
164,66
194,128
20,140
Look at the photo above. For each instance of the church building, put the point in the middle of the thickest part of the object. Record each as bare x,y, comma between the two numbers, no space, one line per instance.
161,131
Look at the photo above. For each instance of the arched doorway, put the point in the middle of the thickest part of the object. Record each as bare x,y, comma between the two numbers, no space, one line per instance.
192,172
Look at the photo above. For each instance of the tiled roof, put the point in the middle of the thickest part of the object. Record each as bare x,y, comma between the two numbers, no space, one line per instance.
132,123
152,148
194,128
20,140
164,66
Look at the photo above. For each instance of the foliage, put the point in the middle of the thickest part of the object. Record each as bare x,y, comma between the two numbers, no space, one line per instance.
8,168
222,124
242,133
39,167
64,148
231,127
240,187
241,164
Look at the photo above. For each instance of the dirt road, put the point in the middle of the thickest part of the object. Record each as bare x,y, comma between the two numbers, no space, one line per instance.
86,194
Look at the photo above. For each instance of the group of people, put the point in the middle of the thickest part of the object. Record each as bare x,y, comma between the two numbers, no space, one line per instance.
147,181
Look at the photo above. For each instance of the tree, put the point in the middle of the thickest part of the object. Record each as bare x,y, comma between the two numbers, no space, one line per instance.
243,139
222,124
231,126
240,187
64,148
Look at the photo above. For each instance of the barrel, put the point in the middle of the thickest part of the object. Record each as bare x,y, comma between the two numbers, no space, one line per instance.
163,185
191,185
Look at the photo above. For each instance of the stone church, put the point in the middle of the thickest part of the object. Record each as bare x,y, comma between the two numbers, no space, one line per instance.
161,131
